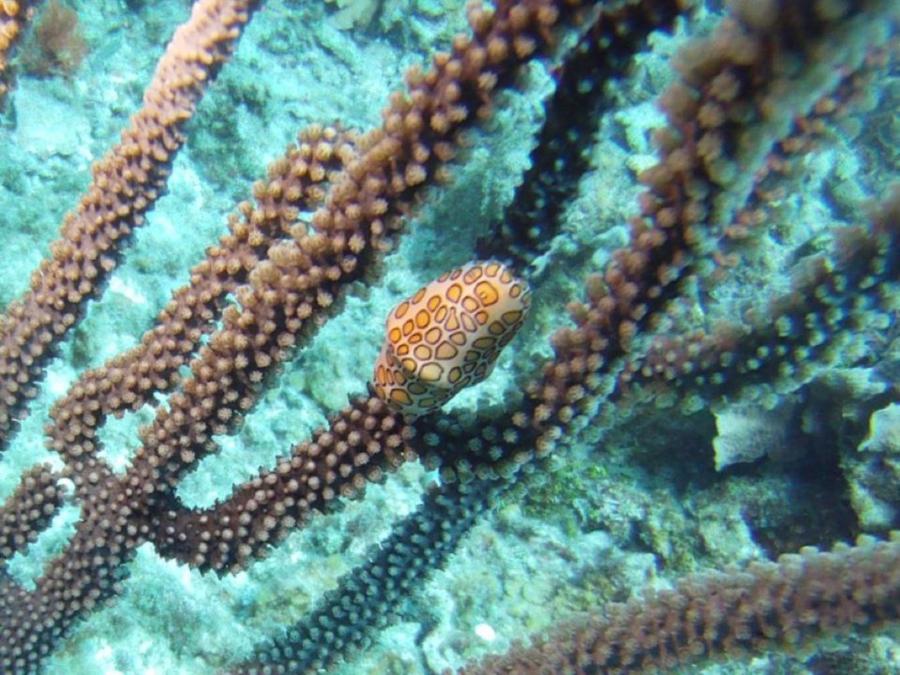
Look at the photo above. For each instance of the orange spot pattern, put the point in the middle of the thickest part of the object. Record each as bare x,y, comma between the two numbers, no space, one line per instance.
448,335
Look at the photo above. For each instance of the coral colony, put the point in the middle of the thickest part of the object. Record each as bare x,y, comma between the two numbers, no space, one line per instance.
747,92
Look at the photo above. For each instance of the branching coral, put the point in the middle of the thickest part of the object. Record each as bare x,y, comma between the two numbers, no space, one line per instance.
322,220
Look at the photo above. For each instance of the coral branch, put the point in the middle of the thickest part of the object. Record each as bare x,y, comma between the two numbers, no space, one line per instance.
14,15
363,441
286,297
560,157
793,601
833,298
126,183
739,72
323,219
288,294
369,596
485,458
130,380
28,510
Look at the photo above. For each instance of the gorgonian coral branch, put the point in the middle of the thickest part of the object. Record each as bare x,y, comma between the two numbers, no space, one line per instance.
130,380
788,602
833,299
28,510
288,275
126,183
484,459
561,156
723,108
14,16
288,293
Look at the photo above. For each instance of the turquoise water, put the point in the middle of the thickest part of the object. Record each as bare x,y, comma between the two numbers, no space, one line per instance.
666,479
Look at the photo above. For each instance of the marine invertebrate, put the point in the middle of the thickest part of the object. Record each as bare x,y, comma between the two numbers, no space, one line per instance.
791,602
13,16
322,219
58,46
448,336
